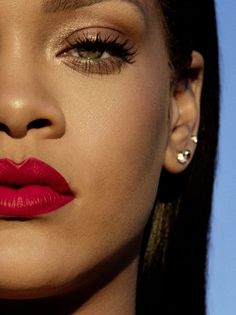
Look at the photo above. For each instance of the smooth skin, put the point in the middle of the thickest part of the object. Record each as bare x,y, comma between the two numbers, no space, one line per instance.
108,130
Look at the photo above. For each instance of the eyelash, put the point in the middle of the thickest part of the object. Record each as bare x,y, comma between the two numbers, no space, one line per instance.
120,53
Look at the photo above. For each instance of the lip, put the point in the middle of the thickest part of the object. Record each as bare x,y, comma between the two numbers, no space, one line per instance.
31,188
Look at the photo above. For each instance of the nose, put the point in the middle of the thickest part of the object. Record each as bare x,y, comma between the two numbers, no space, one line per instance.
27,105
23,114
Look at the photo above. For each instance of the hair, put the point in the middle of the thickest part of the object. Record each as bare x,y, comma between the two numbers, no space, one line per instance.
173,262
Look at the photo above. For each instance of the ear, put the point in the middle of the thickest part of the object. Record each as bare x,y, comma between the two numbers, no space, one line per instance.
185,116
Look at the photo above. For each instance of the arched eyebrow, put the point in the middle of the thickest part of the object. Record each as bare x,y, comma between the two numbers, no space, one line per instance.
53,6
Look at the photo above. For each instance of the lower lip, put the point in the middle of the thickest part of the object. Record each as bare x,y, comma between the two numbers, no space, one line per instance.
30,201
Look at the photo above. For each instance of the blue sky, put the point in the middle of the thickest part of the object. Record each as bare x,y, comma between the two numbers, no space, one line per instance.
222,253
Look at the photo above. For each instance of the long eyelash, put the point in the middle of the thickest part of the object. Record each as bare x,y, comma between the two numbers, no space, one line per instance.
121,52
113,45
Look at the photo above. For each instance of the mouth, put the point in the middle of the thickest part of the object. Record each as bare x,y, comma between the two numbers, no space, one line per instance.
31,188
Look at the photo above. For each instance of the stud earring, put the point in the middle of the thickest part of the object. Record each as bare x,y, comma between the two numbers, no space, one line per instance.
194,139
184,156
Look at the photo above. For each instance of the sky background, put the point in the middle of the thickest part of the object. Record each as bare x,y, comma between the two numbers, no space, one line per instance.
222,252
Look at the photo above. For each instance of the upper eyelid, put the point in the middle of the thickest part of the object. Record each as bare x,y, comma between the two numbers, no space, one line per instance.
86,33
88,30
65,27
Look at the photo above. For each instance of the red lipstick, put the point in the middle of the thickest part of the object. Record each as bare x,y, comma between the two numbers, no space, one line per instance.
31,188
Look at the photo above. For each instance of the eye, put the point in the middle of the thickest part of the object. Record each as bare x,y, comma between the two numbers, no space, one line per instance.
84,54
98,53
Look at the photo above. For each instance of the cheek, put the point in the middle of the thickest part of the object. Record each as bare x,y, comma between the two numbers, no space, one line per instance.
118,129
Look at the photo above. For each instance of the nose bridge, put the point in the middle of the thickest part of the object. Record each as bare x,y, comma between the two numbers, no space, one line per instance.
26,103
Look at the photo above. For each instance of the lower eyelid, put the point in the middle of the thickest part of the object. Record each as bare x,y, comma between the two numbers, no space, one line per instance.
103,67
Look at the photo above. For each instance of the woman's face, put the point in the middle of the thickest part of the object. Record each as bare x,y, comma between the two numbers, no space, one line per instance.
99,75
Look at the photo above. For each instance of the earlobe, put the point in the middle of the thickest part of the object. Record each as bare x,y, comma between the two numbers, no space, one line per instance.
185,117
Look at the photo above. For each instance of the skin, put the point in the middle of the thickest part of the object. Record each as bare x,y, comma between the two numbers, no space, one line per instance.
109,136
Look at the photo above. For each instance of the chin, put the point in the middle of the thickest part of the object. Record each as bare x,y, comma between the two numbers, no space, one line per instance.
29,275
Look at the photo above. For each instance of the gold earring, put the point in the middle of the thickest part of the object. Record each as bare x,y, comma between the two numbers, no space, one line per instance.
194,139
184,156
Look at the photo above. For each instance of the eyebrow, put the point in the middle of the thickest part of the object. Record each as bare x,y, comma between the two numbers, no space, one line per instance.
53,6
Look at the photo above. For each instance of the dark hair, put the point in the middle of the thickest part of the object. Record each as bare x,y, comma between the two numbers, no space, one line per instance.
172,269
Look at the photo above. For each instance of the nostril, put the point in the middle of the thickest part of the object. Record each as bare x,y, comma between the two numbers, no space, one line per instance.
39,123
4,128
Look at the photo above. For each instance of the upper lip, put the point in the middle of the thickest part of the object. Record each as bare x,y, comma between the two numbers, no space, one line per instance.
32,172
